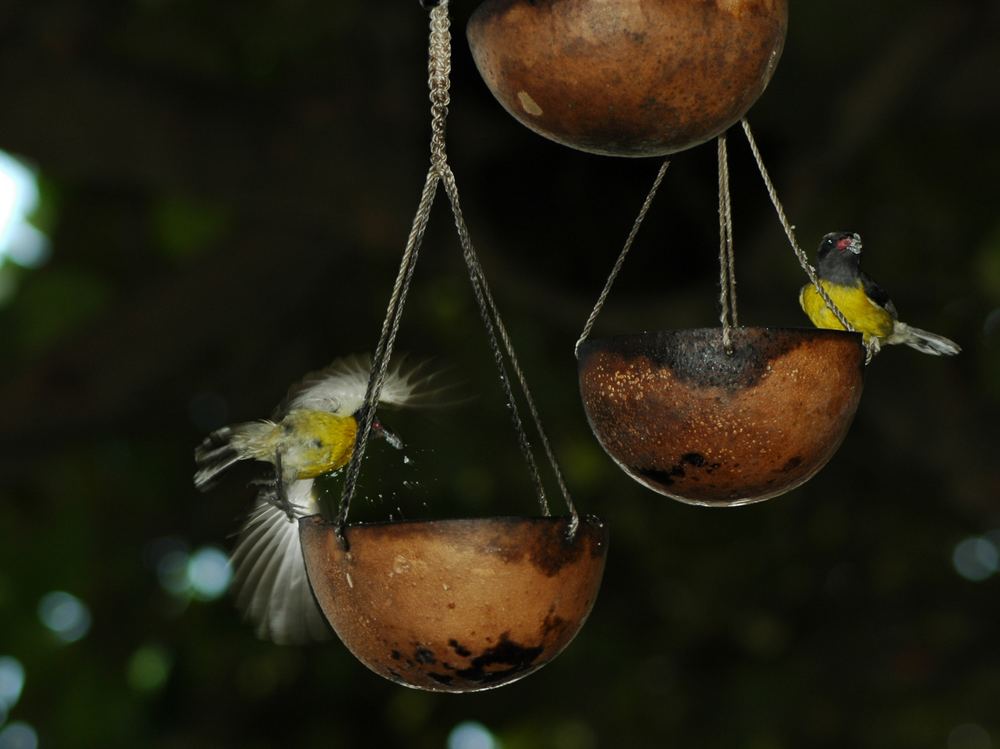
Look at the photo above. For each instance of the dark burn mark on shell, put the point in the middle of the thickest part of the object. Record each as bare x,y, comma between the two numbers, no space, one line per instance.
550,550
494,11
552,554
443,679
459,648
658,475
553,623
669,476
516,657
698,460
396,655
395,674
698,356
791,464
424,656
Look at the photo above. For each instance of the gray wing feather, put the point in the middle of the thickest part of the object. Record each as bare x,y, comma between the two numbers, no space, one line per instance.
272,587
341,387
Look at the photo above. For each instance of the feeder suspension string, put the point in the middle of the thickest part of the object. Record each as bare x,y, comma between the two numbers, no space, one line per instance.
440,74
439,70
383,351
440,50
727,262
872,348
616,269
489,310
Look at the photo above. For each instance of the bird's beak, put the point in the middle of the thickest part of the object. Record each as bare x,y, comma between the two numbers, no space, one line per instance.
385,434
854,245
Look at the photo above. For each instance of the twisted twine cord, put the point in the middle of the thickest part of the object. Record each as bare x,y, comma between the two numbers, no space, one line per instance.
439,80
491,317
616,269
494,327
493,322
790,232
439,69
727,261
439,73
383,351
872,346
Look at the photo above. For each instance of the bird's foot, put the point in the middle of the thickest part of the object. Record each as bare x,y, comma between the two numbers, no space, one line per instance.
273,493
872,348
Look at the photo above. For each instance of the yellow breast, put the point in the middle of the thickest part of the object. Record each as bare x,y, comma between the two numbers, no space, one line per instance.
316,442
866,316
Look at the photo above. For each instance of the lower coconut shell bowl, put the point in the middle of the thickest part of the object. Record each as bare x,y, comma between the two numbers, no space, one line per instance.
688,420
456,605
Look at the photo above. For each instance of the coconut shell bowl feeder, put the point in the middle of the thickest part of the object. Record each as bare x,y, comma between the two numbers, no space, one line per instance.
717,417
630,78
455,605
722,416
687,419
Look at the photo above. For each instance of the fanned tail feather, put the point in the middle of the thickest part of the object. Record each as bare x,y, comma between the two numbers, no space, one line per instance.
924,341
224,447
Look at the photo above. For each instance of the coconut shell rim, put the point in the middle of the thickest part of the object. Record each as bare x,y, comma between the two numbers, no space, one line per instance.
598,343
319,520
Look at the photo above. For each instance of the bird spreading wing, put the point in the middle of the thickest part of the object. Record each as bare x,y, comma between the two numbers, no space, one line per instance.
340,388
272,588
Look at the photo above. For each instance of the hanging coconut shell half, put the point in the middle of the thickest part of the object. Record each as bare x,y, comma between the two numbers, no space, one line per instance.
628,77
456,605
686,419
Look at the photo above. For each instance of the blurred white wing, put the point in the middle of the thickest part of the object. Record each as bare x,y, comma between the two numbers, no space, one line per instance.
272,589
341,387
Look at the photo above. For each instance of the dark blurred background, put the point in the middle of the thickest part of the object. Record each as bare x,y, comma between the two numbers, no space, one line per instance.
218,194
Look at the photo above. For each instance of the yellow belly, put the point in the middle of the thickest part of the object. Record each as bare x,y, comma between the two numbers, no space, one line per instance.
312,443
866,316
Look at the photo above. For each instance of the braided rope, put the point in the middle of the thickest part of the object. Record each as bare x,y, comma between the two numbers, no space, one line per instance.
383,351
790,232
727,262
493,325
439,73
439,70
872,347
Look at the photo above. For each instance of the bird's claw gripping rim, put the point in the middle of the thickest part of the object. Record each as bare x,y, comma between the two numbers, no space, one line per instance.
872,348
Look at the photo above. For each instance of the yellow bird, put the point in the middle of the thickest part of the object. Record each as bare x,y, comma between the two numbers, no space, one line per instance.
863,302
312,434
